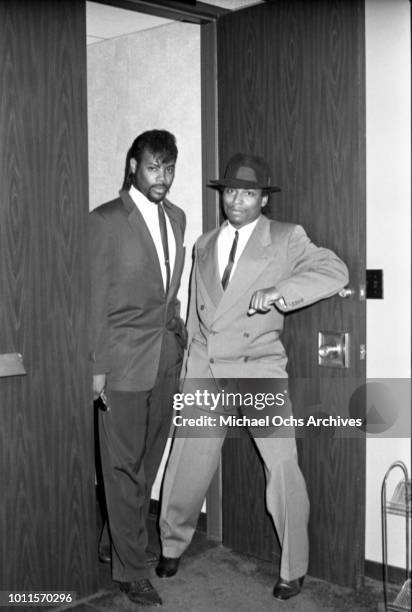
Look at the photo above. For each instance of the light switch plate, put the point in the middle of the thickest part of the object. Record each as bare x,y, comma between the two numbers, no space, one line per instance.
374,284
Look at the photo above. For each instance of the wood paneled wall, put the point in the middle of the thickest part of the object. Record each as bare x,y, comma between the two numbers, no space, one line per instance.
47,507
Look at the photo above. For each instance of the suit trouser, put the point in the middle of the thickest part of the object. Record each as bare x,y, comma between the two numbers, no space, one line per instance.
191,466
133,435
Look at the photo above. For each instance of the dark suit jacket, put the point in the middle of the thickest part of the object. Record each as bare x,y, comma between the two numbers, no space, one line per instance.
129,308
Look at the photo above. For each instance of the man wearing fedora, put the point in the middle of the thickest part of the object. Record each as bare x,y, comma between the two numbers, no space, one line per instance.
246,275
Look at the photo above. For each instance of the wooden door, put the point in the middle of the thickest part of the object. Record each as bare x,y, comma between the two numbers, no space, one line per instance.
291,88
47,508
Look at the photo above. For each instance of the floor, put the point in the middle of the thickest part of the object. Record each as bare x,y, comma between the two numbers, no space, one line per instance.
212,577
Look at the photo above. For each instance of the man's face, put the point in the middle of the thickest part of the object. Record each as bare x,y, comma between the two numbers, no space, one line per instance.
153,176
242,206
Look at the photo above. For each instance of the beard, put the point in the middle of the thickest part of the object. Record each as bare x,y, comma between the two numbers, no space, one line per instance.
157,193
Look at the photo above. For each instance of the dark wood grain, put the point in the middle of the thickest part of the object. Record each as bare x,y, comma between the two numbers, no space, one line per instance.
247,526
210,197
291,88
46,442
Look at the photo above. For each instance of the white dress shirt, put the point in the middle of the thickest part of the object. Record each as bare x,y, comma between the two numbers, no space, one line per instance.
224,245
225,241
150,215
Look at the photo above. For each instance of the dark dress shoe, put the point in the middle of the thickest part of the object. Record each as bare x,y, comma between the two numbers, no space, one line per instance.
105,554
167,567
285,589
141,592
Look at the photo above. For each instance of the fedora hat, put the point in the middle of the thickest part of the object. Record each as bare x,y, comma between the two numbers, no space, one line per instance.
246,172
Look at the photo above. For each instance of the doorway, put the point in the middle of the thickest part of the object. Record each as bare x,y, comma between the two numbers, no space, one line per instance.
144,77
129,70
212,209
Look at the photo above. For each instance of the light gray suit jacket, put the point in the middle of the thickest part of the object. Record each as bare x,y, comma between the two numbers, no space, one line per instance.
223,339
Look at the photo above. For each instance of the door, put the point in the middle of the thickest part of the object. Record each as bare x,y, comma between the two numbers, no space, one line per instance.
291,88
47,509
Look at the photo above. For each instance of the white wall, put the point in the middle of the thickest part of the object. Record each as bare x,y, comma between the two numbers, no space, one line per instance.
388,130
148,80
142,81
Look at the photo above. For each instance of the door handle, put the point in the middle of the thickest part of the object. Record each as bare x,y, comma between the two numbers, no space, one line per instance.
11,364
333,349
346,292
327,350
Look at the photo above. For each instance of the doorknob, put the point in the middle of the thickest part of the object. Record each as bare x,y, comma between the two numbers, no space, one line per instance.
333,349
346,292
326,350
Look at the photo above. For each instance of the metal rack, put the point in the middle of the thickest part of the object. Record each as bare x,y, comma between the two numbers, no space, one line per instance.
400,504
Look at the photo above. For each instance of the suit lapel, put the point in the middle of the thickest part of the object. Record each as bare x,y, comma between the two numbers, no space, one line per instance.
180,251
256,255
209,268
138,223
143,234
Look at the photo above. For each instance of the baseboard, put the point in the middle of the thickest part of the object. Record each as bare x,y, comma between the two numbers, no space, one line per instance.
373,569
201,524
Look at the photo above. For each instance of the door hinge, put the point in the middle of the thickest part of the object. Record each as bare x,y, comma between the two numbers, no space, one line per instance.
362,352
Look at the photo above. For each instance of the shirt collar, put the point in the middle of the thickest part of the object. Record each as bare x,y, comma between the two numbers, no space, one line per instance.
140,200
244,231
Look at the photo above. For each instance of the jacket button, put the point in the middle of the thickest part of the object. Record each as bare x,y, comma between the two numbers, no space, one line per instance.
202,306
245,359
246,335
211,360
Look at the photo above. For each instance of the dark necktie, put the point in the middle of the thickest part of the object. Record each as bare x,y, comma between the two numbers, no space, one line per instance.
163,234
231,261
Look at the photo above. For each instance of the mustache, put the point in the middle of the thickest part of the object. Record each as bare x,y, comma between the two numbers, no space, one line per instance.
153,195
159,186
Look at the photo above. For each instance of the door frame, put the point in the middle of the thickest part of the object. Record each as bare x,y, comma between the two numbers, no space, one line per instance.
210,217
190,11
206,16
